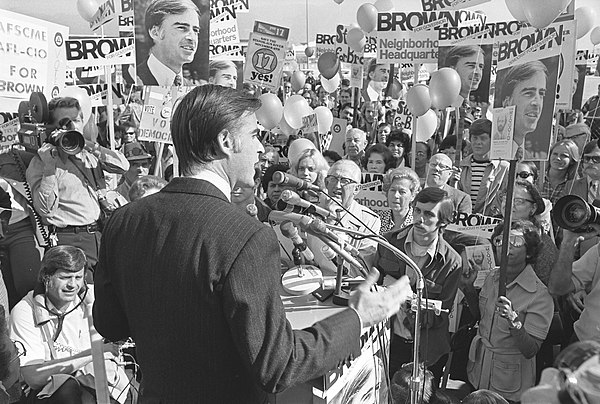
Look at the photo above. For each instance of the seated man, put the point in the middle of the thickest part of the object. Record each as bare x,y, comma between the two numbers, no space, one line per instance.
51,324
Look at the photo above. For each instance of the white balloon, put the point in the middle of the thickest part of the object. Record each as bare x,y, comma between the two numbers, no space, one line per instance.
585,17
516,9
595,36
294,109
541,13
384,5
297,147
324,118
426,126
332,84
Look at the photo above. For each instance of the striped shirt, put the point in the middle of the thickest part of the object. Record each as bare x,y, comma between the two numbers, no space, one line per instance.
477,170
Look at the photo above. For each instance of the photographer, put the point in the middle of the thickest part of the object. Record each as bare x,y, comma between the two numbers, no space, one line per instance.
68,185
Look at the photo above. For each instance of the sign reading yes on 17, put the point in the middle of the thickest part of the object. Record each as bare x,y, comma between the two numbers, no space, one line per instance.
266,53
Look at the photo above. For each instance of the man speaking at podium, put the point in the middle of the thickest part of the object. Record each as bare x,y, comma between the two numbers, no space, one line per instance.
195,281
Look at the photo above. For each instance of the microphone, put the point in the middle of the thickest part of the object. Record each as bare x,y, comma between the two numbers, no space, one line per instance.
278,216
292,198
290,231
252,210
279,177
319,228
329,254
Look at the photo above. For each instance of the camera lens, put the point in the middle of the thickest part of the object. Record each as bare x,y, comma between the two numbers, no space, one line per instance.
576,213
71,142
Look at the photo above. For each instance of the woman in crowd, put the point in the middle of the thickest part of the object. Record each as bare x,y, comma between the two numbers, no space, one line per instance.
383,131
378,159
528,171
511,327
311,166
399,144
400,186
529,205
562,167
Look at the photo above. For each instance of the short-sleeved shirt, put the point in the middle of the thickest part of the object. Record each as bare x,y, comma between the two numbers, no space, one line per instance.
586,274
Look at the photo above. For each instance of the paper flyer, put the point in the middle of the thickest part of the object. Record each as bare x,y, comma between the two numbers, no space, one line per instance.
503,123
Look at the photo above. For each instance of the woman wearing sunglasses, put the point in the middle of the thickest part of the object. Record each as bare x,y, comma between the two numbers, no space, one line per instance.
511,327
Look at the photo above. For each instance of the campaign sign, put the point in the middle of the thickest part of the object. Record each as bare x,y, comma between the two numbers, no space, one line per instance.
371,192
324,43
99,51
503,125
224,9
338,135
33,58
159,102
528,70
235,53
8,133
433,5
474,224
266,52
224,32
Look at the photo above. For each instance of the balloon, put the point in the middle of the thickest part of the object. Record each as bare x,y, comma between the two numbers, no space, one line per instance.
339,1
366,16
270,112
516,9
324,118
395,89
356,39
297,147
418,100
82,96
309,51
540,13
294,109
444,87
585,17
331,85
298,80
384,5
426,125
285,128
87,9
595,36
328,64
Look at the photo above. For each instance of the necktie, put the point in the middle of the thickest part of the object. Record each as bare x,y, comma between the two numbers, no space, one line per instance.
177,80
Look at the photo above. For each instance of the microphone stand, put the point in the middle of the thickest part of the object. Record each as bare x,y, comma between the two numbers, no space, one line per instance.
416,380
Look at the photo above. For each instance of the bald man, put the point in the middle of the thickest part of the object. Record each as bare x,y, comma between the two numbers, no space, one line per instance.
439,172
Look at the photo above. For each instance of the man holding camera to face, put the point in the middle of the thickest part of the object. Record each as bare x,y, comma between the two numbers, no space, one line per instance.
67,179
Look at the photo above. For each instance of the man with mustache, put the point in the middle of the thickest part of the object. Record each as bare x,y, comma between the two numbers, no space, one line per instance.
173,28
440,264
525,87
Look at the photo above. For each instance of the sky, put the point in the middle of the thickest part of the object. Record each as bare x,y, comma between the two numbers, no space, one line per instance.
323,15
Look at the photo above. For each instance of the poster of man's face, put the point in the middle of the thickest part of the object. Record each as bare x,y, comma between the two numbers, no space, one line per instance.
530,87
473,63
171,41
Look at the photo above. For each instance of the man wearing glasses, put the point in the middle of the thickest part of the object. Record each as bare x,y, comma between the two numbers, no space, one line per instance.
139,166
342,183
439,172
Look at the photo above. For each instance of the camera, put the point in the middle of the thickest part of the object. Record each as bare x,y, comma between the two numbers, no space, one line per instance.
35,130
576,214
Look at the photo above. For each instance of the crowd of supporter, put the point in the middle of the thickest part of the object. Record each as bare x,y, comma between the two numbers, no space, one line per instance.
501,345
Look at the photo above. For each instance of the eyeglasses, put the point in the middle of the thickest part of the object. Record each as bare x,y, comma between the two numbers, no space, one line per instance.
525,174
421,154
521,201
21,351
343,181
514,240
593,159
442,167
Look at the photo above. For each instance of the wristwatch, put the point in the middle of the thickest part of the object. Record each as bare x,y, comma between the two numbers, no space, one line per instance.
514,323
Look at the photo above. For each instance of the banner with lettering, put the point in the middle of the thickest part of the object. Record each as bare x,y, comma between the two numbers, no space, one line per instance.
266,52
33,58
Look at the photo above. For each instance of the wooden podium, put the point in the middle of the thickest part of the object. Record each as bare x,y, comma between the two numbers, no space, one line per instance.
359,381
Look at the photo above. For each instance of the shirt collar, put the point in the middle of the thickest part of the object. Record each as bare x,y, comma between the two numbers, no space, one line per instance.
431,249
527,279
164,76
215,179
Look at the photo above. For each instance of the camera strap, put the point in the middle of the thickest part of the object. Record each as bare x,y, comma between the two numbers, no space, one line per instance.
93,175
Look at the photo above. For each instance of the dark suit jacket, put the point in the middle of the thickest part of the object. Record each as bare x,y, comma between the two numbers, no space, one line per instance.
195,282
147,78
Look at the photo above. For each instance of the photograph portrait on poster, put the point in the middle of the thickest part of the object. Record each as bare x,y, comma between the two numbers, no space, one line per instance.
171,38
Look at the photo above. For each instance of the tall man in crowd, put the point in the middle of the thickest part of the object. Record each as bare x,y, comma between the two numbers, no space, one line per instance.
525,87
423,242
68,189
172,26
220,330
